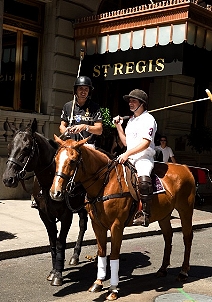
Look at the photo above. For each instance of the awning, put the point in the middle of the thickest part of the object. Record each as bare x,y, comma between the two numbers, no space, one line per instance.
148,37
160,60
135,63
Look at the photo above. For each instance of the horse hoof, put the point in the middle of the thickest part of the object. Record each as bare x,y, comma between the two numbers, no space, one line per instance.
95,288
74,261
57,279
112,295
161,273
51,275
57,282
182,277
91,258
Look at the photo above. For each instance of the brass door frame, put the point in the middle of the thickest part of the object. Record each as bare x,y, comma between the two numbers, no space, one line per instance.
18,65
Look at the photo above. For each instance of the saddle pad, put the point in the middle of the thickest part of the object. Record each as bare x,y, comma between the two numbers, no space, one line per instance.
157,184
131,179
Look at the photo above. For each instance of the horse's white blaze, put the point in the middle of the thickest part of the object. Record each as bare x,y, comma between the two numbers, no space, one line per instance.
63,157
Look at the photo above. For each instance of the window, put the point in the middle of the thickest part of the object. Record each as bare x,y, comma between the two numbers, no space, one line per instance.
7,77
19,78
22,9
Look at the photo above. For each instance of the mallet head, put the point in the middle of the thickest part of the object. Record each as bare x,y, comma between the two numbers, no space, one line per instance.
209,94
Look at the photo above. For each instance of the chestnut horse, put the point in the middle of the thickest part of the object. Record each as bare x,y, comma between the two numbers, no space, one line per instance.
30,151
112,207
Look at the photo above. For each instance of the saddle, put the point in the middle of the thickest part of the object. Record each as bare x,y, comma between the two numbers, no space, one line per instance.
132,179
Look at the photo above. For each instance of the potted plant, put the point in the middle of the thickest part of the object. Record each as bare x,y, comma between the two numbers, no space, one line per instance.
106,139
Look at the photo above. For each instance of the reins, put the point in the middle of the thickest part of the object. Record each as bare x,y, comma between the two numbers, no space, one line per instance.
104,173
109,167
71,182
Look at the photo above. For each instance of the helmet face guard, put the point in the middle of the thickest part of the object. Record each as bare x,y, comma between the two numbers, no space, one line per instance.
83,81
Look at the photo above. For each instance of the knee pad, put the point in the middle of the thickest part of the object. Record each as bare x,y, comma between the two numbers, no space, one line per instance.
145,187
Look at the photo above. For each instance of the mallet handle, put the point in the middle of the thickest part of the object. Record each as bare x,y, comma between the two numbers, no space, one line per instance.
185,103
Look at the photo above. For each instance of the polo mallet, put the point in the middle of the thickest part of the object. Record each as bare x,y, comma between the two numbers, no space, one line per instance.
74,100
78,73
185,103
179,104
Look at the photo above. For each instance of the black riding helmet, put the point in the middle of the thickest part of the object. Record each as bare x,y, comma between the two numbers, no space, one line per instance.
83,81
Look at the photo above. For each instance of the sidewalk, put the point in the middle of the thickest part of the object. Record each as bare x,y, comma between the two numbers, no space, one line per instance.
23,233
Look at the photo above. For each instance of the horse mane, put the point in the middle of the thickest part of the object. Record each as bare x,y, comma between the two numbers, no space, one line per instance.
80,145
53,143
97,153
111,156
47,140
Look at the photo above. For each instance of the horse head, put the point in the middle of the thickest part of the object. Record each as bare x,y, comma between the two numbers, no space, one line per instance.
67,160
21,155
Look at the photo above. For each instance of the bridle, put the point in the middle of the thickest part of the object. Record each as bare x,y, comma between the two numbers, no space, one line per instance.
21,174
103,171
71,183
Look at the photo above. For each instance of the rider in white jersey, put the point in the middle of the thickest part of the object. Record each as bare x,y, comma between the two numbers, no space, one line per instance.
139,138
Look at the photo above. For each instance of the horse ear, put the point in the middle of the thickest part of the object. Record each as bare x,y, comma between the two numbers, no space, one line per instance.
34,125
58,140
82,142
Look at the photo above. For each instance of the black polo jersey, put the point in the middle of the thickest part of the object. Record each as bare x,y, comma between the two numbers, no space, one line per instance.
88,114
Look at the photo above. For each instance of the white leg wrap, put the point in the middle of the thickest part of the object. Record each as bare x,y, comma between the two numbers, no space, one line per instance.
114,270
102,263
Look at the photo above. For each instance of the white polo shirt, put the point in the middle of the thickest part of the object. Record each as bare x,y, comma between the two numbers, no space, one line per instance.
167,152
142,126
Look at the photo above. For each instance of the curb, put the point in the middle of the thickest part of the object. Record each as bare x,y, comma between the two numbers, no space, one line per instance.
45,249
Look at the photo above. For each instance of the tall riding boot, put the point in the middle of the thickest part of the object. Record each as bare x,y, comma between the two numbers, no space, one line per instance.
146,193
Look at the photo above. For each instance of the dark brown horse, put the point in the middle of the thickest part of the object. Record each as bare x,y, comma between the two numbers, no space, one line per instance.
112,207
30,151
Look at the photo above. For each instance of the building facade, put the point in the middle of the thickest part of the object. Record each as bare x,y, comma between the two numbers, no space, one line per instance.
164,48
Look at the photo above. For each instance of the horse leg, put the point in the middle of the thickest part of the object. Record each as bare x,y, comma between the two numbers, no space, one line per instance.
167,232
52,234
186,222
116,241
66,221
83,221
101,237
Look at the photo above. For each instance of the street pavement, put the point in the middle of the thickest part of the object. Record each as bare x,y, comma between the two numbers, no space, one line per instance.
22,232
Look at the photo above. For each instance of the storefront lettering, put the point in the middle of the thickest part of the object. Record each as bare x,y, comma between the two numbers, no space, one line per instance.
6,78
129,68
10,77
